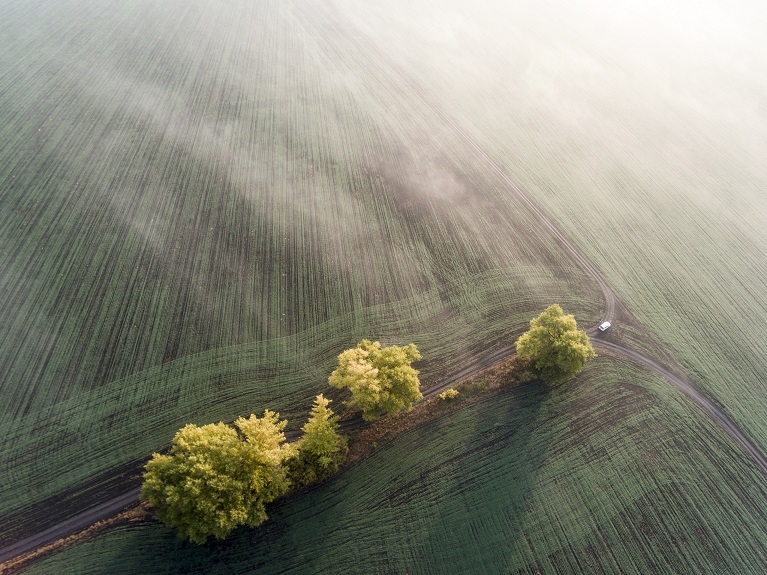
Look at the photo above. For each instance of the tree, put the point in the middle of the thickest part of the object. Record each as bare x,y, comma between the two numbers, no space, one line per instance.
216,479
321,450
555,346
381,380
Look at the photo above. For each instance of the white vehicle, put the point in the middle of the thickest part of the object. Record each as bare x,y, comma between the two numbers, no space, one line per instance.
604,325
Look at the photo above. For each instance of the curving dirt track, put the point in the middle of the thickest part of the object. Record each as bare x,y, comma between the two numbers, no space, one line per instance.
686,387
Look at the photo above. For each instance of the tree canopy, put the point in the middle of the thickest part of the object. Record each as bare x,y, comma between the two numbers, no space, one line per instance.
321,450
381,380
217,478
555,346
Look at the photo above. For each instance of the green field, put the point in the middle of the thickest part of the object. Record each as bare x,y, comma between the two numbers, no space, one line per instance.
640,128
203,202
201,206
616,474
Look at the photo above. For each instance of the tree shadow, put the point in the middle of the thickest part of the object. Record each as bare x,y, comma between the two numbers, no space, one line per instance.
487,487
450,496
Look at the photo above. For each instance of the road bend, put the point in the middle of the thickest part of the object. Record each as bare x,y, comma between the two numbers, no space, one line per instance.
694,394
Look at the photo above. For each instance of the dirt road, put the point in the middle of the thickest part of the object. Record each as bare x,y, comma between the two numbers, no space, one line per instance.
686,387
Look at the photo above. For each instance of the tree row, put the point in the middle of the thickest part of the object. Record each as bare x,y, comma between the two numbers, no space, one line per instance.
217,477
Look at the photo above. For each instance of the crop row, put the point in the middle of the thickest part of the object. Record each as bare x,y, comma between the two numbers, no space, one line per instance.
614,473
201,206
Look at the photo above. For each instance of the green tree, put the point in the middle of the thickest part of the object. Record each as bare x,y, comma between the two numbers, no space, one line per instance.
381,380
217,478
321,450
555,346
